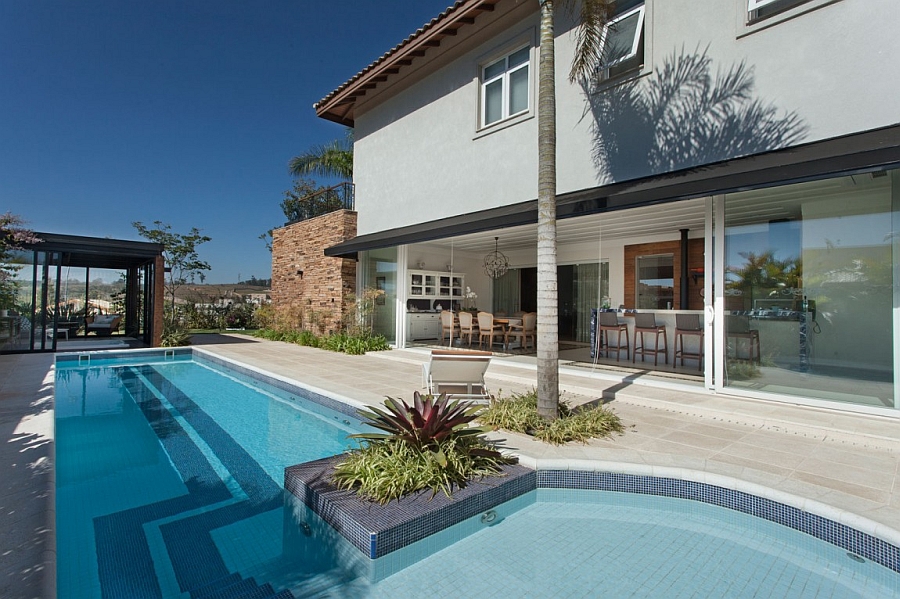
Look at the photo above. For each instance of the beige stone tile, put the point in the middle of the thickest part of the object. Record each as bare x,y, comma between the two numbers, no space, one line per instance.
699,441
780,459
858,476
859,491
766,467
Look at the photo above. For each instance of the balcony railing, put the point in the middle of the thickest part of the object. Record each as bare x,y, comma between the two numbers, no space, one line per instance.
338,197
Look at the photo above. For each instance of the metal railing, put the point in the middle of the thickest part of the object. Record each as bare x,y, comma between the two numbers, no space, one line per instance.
338,197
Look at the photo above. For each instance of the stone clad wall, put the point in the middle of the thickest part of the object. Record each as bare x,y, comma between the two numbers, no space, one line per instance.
317,296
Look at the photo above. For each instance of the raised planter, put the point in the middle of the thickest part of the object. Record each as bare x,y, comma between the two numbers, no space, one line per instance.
377,530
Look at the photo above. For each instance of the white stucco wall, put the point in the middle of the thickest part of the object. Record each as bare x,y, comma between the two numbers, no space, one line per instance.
419,156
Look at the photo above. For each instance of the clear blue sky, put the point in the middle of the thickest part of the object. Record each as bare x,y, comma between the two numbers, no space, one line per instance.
181,111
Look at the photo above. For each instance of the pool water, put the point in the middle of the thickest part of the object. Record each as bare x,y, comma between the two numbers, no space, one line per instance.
169,478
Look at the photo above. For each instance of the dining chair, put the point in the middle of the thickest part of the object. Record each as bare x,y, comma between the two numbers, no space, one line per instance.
468,327
449,328
528,328
487,328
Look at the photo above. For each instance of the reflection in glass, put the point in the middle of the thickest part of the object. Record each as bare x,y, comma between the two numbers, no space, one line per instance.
380,272
809,290
655,282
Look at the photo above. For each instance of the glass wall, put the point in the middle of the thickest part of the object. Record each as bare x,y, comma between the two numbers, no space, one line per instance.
809,289
379,271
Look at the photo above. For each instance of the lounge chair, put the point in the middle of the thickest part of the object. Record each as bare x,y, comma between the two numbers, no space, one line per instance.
459,374
105,324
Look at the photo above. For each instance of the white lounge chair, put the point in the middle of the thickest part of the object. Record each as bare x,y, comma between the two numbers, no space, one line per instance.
459,374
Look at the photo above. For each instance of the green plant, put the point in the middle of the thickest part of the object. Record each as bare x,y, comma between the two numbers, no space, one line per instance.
174,336
518,413
427,445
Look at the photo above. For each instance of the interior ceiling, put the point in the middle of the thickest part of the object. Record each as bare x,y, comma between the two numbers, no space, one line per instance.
761,205
666,219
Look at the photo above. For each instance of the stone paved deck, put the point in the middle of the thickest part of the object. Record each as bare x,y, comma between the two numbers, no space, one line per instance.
845,465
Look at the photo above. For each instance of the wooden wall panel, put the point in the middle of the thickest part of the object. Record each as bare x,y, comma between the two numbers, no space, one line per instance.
695,260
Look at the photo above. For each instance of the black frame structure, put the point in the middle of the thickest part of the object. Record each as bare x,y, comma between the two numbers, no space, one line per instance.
141,261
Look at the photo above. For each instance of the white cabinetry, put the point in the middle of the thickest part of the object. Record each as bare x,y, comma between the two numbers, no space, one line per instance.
424,284
423,326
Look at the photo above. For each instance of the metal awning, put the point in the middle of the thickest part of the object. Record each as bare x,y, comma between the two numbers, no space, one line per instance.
98,252
860,152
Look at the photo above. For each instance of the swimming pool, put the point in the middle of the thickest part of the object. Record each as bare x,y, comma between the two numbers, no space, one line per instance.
169,478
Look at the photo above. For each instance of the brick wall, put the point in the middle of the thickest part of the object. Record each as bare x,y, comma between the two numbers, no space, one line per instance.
317,295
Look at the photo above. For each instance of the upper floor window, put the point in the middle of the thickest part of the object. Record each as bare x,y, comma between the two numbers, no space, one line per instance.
623,42
760,9
505,87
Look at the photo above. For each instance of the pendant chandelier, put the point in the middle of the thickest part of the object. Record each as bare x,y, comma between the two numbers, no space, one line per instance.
496,264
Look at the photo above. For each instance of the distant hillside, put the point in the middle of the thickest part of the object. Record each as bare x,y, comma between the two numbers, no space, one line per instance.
209,293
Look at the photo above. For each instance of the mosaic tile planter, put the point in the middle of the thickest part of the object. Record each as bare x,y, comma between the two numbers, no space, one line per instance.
377,530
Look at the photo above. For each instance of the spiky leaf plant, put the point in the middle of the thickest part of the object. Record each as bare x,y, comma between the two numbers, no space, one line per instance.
426,444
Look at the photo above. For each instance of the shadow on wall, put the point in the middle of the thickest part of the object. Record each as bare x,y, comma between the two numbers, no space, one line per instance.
681,117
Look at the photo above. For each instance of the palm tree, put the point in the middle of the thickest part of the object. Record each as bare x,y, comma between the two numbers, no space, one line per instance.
334,159
594,16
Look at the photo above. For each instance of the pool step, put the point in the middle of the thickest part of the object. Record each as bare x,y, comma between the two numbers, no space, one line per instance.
234,586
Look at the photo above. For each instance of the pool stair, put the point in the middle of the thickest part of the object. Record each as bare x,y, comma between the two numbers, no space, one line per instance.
235,586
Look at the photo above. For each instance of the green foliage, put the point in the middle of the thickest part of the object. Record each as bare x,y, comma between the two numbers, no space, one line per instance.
13,235
391,469
175,337
331,160
308,200
426,445
339,342
425,424
179,252
518,413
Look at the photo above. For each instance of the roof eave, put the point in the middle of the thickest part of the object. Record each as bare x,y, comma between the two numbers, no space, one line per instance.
338,106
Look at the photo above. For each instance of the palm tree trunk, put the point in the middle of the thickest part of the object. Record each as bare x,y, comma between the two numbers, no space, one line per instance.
547,295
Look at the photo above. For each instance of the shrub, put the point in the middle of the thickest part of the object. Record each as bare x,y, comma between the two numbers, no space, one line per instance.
174,336
339,342
427,445
518,413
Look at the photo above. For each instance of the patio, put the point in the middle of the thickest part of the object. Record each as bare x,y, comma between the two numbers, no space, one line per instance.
824,459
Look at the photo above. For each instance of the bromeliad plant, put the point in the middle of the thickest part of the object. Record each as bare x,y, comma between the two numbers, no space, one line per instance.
427,445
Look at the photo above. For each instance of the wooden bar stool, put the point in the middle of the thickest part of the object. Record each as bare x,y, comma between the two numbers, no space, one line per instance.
646,324
688,325
608,323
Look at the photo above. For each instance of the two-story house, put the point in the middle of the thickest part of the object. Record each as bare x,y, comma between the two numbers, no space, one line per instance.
735,160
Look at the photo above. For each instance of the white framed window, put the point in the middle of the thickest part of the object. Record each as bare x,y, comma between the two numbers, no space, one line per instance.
622,37
760,9
505,86
623,43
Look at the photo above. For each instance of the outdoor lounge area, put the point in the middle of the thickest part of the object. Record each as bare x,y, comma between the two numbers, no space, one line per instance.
56,308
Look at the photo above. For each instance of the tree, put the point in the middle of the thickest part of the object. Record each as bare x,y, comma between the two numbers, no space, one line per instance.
180,254
334,159
13,235
594,16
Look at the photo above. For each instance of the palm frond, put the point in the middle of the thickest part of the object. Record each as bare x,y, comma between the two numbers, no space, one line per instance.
334,159
594,16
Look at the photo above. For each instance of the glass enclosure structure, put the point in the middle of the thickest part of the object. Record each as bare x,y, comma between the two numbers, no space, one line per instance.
51,301
810,289
378,271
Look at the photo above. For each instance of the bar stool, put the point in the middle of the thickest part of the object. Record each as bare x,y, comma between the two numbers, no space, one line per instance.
646,324
608,322
738,327
688,325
